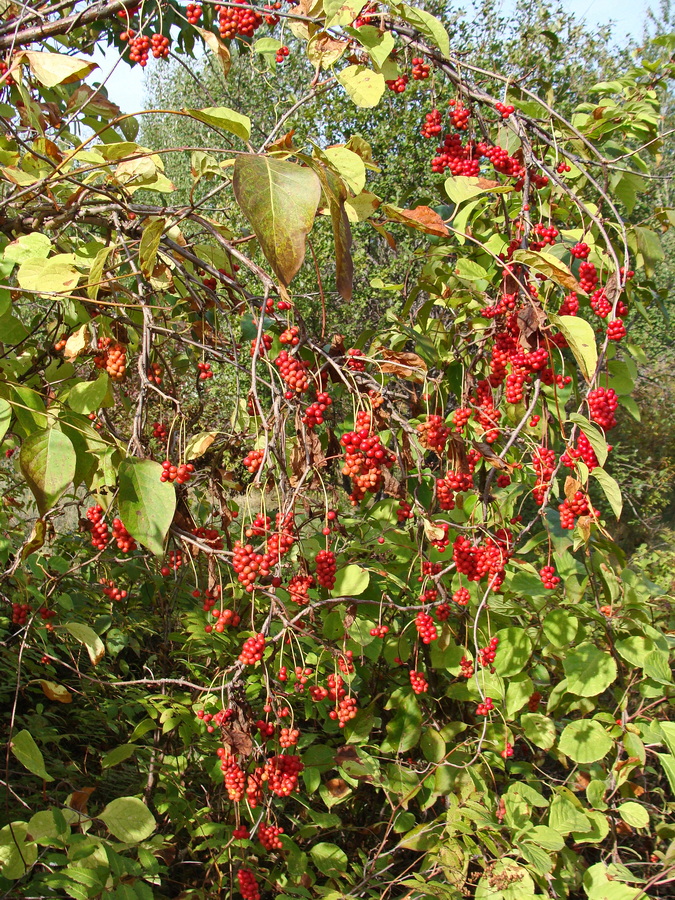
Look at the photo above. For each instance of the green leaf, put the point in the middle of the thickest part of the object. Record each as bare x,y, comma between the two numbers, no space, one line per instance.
514,651
88,396
465,187
550,266
128,819
657,667
585,741
87,636
342,12
28,246
224,118
147,251
29,754
146,505
539,729
47,276
51,69
634,814
649,245
404,729
378,44
668,765
364,87
349,166
427,25
280,200
611,488
16,853
635,649
565,817
581,339
432,745
560,627
599,828
329,859
5,417
351,581
589,671
595,437
47,461
118,755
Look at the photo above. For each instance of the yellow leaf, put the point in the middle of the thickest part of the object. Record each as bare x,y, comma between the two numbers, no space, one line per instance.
76,343
54,691
57,68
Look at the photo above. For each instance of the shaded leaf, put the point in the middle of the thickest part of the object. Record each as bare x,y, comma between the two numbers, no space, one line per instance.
87,636
146,505
28,753
47,460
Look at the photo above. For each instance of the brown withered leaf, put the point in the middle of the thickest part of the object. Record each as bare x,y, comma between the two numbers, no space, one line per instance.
409,366
421,218
391,486
406,452
571,487
584,526
381,230
346,753
337,787
298,462
491,457
581,781
531,320
80,799
457,458
350,616
238,740
316,456
623,827
285,143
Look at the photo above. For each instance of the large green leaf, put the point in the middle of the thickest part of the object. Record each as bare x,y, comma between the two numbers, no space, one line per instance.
589,671
146,504
581,339
585,741
29,754
329,859
223,118
87,636
5,417
129,819
611,488
280,200
364,86
350,581
427,25
47,461
513,652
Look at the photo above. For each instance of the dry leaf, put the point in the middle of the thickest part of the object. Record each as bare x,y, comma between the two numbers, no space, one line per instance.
337,787
571,487
284,143
491,457
406,365
79,799
346,753
433,532
77,343
422,218
238,740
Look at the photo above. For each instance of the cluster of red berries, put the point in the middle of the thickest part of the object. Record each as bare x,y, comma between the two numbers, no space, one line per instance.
112,357
507,752
326,568
272,18
397,85
459,158
420,69
9,80
486,655
99,530
504,111
241,833
547,233
616,330
209,536
298,588
288,737
461,596
293,371
444,495
248,886
489,558
569,306
365,458
379,631
110,590
534,701
139,46
180,474
266,341
484,708
193,13
268,835
432,124
159,431
505,304
602,404
345,710
20,613
218,718
290,336
580,250
248,564
240,20
543,462
160,46
549,578
563,167
588,277
125,542
433,433
600,304
253,460
315,411
356,361
465,667
426,627
204,371
253,650
404,511
225,618
570,509
281,54
459,114
460,417
154,373
418,682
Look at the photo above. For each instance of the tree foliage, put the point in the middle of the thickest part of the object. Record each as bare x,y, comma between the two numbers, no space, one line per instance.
294,615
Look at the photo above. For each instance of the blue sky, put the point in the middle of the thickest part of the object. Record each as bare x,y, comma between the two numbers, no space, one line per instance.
126,87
